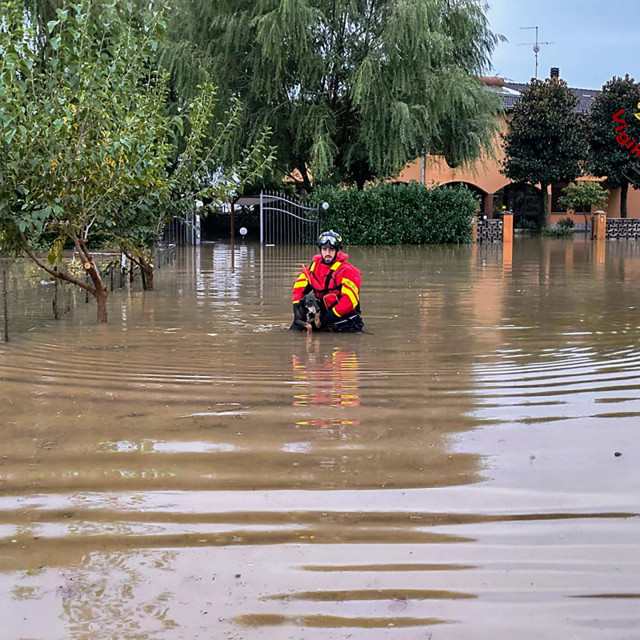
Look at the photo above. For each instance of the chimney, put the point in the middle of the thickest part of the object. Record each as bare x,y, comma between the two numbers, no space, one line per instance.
555,73
492,81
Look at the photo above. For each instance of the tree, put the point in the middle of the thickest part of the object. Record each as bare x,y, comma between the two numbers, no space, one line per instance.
583,195
87,149
196,174
352,90
613,127
78,130
545,143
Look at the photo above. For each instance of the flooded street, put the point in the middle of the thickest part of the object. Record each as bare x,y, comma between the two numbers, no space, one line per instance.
467,468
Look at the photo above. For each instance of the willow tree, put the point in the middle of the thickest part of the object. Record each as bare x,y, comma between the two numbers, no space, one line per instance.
352,90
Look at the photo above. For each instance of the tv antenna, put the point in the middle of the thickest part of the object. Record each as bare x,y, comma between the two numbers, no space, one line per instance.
536,46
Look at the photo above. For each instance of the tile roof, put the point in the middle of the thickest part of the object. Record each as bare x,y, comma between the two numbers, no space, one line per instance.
511,91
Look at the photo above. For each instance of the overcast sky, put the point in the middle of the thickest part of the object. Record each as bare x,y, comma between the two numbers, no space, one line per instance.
593,40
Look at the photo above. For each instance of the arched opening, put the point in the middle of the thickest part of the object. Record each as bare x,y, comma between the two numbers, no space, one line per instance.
481,195
523,200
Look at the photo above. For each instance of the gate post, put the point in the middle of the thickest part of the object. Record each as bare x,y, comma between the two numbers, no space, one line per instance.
474,230
599,226
507,227
261,219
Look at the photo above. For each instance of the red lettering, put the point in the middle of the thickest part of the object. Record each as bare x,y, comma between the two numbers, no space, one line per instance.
622,138
617,117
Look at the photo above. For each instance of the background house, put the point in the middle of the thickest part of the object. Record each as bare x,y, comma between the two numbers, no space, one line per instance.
495,189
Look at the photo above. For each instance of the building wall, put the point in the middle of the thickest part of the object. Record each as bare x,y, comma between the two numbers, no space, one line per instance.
485,175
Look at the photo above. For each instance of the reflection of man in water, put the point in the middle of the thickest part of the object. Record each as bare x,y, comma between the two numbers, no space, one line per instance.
330,380
336,284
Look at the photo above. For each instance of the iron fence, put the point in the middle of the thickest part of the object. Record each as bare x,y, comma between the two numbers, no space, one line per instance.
489,230
623,228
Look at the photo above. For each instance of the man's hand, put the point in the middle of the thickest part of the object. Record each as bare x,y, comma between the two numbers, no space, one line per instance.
327,318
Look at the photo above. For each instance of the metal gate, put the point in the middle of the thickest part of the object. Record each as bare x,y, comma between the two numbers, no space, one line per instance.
286,220
183,230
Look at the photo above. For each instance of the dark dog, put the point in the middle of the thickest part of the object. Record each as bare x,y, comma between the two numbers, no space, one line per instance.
306,315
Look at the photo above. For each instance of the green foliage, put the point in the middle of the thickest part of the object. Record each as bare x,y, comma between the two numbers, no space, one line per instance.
558,232
82,127
546,142
579,195
351,90
88,151
399,214
76,126
564,229
607,157
566,222
196,174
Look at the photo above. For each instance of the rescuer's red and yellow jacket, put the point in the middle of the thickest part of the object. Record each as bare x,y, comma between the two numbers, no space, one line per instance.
337,285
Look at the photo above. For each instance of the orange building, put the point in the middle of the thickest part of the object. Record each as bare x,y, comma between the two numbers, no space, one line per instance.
496,190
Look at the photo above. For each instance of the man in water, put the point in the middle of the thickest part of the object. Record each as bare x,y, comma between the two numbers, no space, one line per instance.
335,283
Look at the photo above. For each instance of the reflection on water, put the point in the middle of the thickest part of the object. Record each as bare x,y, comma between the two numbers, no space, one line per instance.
465,468
331,381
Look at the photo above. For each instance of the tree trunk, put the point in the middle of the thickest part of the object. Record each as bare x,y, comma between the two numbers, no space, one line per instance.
101,292
306,183
624,188
544,219
146,271
101,299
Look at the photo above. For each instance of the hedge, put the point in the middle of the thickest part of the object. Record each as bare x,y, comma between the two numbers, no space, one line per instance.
399,214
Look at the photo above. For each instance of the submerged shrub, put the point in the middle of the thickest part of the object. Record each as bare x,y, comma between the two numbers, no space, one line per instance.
565,222
564,229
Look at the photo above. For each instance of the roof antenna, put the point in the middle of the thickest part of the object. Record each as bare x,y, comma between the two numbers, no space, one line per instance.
536,46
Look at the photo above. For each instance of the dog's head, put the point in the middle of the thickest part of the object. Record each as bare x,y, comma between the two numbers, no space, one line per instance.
310,308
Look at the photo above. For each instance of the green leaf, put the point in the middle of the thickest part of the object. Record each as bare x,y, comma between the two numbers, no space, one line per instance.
55,252
179,122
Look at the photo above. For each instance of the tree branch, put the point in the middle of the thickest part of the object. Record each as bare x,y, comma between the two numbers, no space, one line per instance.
51,271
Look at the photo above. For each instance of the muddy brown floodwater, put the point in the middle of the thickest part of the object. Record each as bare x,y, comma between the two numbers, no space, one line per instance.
467,468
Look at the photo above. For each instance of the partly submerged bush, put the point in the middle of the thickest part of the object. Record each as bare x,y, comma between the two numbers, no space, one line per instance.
566,222
564,229
400,214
